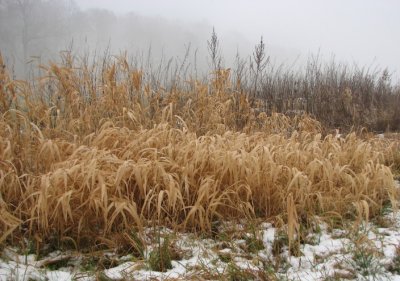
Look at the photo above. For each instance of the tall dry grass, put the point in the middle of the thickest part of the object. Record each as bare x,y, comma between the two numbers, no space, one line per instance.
92,151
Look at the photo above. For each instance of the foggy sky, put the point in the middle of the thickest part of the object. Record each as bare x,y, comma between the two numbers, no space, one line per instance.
366,32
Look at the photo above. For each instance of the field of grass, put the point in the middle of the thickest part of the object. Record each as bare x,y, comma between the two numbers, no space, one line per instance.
91,153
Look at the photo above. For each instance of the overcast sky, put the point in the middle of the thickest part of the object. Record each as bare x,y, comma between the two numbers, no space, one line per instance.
362,31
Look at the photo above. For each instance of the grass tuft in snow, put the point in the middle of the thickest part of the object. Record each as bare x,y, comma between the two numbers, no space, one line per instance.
160,257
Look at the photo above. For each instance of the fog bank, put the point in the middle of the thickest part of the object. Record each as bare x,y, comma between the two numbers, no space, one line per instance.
364,32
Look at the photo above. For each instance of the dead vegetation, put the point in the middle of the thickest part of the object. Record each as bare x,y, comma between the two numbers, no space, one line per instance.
88,152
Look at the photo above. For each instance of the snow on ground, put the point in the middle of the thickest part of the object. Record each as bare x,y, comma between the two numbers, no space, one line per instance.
372,252
332,254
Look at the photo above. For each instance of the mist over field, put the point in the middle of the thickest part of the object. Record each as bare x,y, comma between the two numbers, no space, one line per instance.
353,32
207,140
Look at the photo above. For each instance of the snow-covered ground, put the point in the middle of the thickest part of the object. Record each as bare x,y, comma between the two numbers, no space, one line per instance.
370,252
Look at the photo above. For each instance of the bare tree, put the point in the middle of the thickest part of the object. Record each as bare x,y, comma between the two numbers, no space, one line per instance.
31,24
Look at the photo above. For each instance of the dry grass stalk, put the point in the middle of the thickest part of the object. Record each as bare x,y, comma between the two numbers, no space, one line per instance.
100,157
